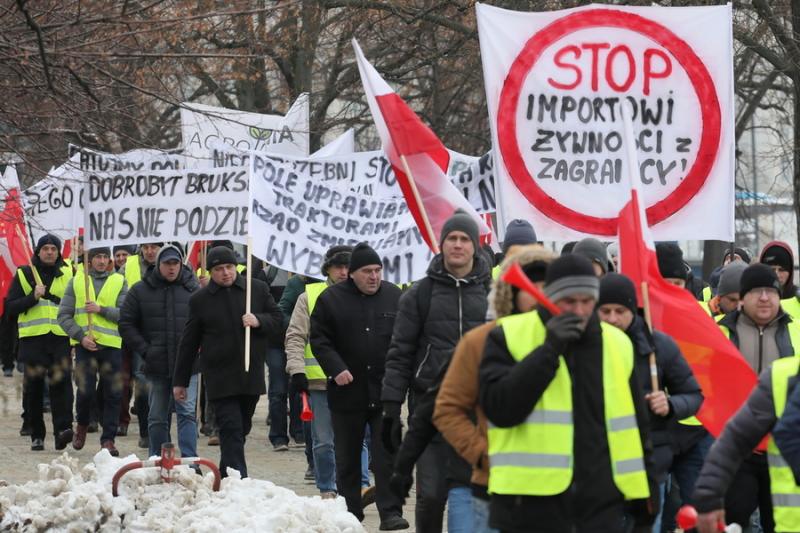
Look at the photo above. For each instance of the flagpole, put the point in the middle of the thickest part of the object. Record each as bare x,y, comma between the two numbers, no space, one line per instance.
248,303
203,255
649,321
425,221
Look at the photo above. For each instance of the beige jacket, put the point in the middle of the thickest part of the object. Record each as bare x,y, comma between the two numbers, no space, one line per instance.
295,343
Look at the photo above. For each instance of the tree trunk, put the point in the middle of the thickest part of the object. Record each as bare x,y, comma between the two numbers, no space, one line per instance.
713,252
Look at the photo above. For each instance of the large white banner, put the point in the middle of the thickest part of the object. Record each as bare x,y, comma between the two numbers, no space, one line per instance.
296,216
202,126
129,207
555,83
55,203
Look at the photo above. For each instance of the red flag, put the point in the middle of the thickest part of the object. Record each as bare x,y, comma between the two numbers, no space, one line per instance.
15,249
418,157
721,371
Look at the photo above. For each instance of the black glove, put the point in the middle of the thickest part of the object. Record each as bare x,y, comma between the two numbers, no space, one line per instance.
392,430
400,484
300,382
562,330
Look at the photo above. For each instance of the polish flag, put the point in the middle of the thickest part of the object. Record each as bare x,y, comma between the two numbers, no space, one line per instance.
418,157
721,371
15,249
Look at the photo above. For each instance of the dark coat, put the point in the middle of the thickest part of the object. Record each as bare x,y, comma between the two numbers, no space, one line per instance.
420,347
44,350
509,391
351,331
153,316
214,333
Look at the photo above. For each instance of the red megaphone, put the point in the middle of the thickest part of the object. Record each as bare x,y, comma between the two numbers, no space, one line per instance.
516,277
306,415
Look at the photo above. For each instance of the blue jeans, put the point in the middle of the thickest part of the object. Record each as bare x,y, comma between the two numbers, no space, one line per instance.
108,363
159,420
685,471
365,459
277,390
480,516
663,490
322,435
459,510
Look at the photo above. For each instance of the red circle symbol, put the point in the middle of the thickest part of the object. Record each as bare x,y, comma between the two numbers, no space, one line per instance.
698,76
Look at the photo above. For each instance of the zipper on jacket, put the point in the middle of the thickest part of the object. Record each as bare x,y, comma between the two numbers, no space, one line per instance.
760,347
424,360
460,311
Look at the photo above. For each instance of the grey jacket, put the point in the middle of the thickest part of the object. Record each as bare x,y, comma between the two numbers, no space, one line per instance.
760,348
66,310
741,435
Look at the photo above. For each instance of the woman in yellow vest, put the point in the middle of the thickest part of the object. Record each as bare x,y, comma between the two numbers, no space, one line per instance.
568,435
97,348
33,297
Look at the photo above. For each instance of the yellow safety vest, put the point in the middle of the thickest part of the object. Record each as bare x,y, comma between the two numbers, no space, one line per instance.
496,272
785,493
535,458
133,270
41,319
707,294
791,306
106,332
313,370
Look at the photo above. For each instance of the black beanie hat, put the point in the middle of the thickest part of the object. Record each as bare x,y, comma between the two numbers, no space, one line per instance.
777,255
226,244
568,247
461,221
617,289
101,250
130,248
670,261
48,239
363,255
758,276
518,232
741,252
568,275
220,255
336,255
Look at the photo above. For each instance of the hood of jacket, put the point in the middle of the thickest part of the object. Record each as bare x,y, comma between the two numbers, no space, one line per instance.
186,278
501,296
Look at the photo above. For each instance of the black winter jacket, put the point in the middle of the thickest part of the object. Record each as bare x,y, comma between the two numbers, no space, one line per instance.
674,375
419,350
153,316
214,332
351,331
508,393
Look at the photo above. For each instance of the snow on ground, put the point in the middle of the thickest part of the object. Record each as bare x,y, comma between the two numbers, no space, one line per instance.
69,498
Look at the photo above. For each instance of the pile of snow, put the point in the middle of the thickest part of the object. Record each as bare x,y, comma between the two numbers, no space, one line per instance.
69,498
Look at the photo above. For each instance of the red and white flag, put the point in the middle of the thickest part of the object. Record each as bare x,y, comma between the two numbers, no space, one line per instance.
721,371
15,249
418,157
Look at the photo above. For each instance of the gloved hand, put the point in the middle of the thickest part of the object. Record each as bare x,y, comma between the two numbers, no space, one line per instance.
300,382
400,484
392,430
562,330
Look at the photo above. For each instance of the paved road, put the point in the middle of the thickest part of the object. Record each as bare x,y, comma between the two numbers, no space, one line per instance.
282,468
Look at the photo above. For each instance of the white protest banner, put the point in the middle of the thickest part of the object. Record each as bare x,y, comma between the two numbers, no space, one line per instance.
297,217
55,204
371,173
185,205
555,83
203,125
343,144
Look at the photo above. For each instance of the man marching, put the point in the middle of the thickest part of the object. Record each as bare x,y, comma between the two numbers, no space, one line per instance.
98,347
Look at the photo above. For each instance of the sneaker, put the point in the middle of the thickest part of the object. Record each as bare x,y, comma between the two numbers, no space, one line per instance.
327,495
92,427
122,430
37,445
280,448
393,523
299,443
309,475
25,430
144,443
64,438
109,445
213,440
367,496
8,372
79,439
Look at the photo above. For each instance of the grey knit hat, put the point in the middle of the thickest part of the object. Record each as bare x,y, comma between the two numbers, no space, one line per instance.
461,221
730,278
570,275
594,251
518,232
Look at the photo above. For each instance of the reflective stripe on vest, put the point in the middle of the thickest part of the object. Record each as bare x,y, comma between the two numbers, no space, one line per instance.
313,369
536,457
105,331
785,494
41,319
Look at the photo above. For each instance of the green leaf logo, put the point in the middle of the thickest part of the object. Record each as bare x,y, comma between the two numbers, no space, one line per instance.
259,134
